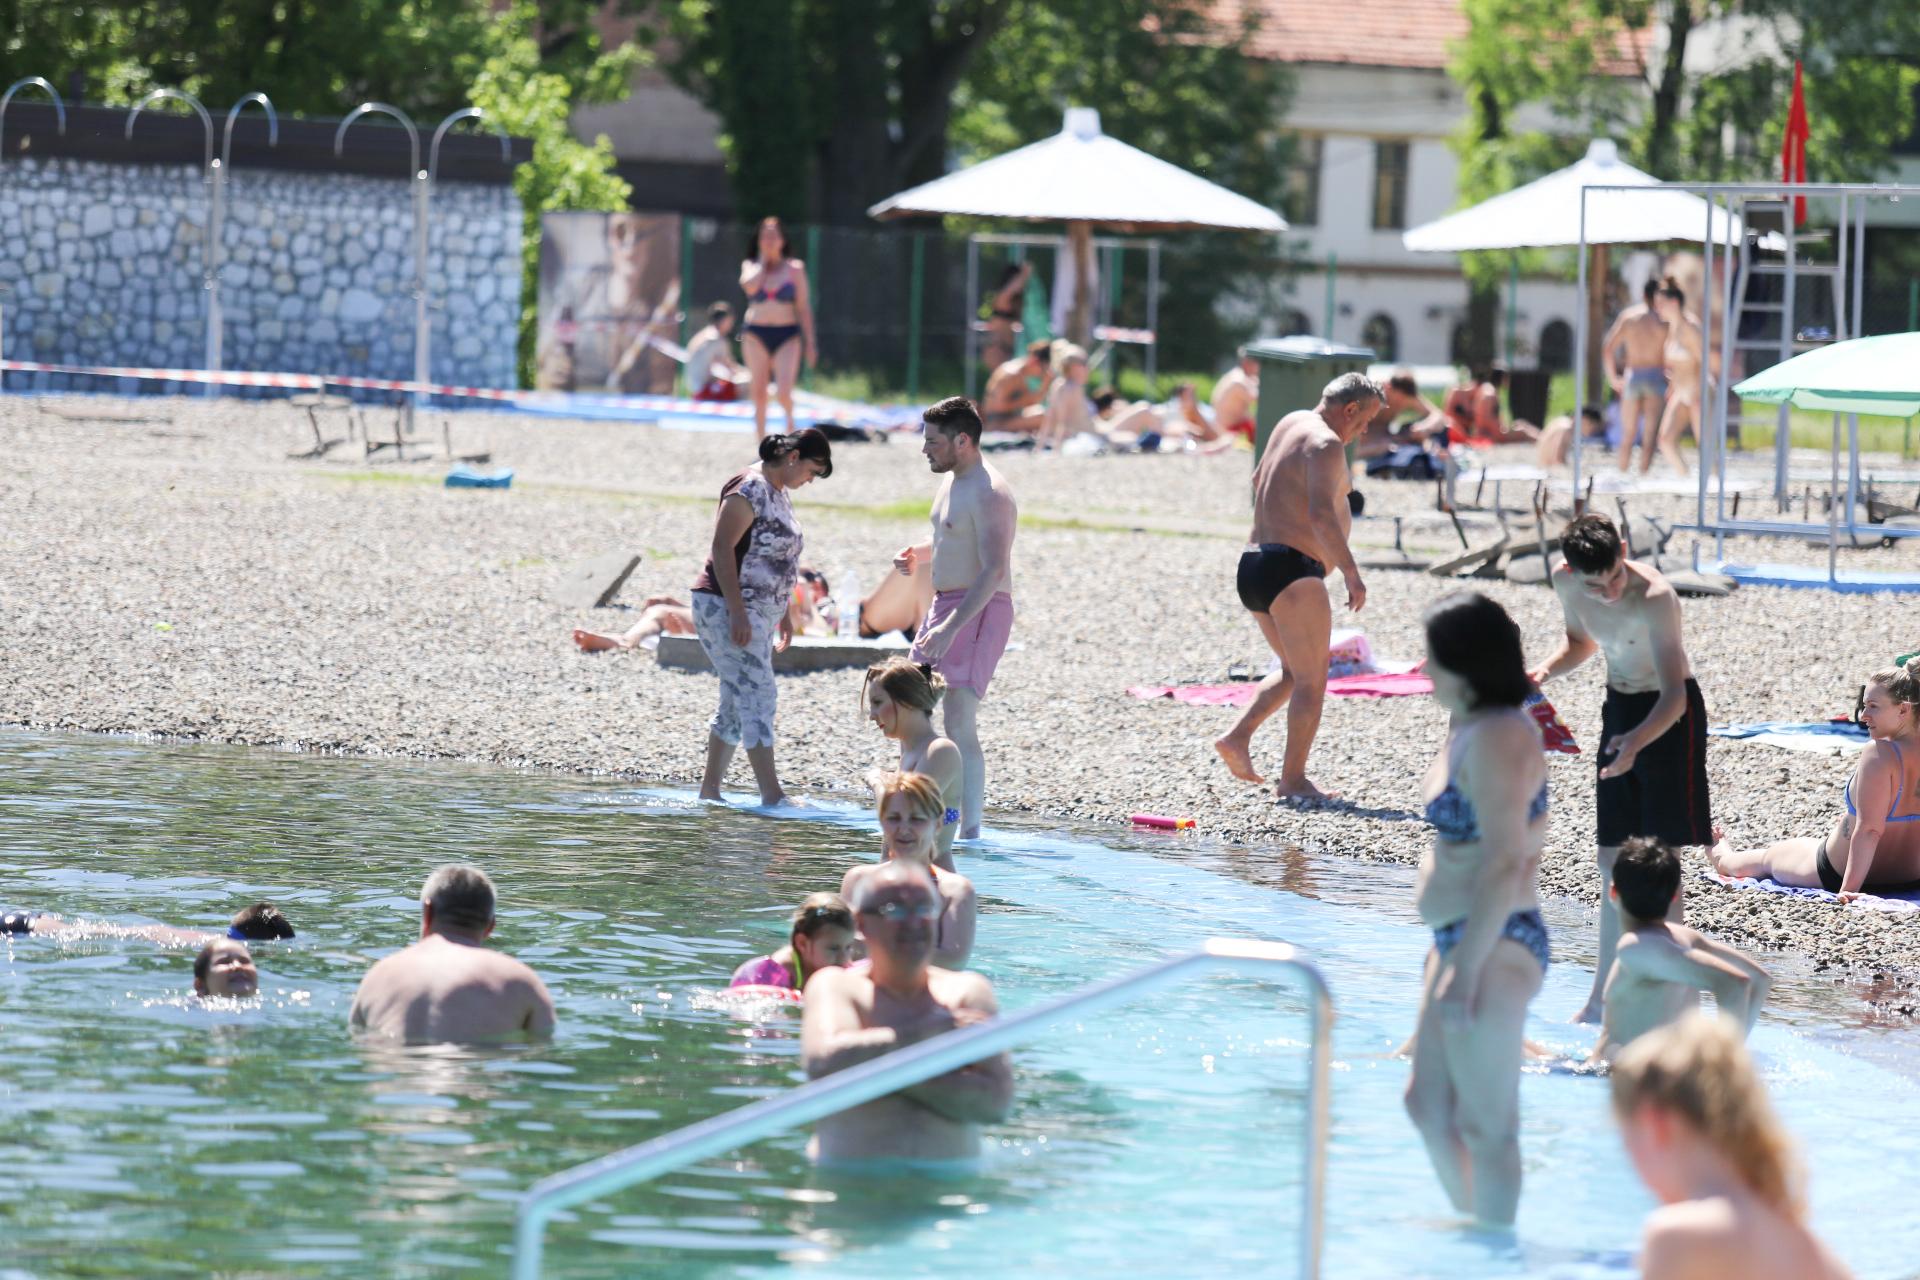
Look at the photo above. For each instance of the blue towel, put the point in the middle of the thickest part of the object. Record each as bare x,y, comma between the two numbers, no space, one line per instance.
1896,903
468,478
1824,736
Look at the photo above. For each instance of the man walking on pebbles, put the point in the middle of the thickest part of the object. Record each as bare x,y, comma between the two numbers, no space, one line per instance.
1653,723
966,630
1300,525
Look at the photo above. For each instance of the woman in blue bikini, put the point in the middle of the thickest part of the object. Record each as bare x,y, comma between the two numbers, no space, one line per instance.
778,328
1478,891
900,696
1875,844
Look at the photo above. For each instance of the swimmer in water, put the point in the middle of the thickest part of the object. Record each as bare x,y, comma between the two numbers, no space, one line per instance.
821,938
1695,1119
909,806
853,1017
261,922
224,967
900,698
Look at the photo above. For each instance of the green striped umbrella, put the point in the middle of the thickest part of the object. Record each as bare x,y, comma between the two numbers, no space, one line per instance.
1878,376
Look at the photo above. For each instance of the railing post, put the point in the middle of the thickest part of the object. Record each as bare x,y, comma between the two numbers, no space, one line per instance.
914,296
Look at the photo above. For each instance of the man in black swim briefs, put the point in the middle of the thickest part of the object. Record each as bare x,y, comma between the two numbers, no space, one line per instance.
1301,519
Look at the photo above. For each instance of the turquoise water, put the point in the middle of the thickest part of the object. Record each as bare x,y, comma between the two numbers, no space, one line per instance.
147,1134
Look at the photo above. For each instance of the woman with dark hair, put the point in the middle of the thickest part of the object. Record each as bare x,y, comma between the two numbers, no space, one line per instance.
778,326
740,601
1003,314
1487,801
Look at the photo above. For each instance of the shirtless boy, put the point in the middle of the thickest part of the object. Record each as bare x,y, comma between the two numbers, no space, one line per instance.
1300,524
1660,968
1236,398
966,630
900,1000
1653,724
1014,391
448,987
1642,384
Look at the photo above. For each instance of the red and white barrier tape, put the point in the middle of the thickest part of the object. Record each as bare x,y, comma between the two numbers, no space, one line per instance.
1113,333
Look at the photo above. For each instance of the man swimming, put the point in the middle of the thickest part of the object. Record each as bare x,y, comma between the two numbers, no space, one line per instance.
1301,519
901,1000
1653,723
261,922
966,629
1660,968
224,967
448,987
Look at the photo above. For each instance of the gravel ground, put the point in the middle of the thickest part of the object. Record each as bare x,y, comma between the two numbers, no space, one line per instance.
167,569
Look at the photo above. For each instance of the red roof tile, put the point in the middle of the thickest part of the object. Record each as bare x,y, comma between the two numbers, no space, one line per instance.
1371,33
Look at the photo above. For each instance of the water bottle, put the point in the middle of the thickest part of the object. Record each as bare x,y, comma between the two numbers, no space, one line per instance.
846,604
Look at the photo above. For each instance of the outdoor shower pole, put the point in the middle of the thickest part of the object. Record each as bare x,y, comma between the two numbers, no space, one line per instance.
216,318
419,177
1708,450
1733,232
970,302
206,242
422,328
1580,357
1513,307
60,114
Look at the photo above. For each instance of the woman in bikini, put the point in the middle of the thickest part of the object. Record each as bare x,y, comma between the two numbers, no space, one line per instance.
779,321
1683,351
899,697
1478,892
910,807
1875,844
1003,314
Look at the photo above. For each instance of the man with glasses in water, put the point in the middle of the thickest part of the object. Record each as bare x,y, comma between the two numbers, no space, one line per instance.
853,1017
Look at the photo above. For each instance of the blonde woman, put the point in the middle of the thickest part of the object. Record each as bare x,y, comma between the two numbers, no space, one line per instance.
909,806
900,697
1875,844
1696,1122
1069,409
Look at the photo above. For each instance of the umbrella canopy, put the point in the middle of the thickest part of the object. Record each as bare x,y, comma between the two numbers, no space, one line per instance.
1081,175
1878,375
1545,213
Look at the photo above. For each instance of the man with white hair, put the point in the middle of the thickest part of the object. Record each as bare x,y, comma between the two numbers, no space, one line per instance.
449,987
1301,519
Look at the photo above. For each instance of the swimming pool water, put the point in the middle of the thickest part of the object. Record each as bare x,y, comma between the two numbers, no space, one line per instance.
148,1135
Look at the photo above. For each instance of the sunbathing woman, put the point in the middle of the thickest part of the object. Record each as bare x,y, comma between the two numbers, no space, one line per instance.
900,697
1695,1120
910,808
821,938
1477,891
1875,844
664,615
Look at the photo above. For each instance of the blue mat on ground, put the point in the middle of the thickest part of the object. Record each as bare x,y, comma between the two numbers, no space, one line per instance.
468,478
1824,737
1853,582
1897,904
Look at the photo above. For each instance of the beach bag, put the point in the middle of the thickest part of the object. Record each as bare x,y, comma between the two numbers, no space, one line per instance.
1403,462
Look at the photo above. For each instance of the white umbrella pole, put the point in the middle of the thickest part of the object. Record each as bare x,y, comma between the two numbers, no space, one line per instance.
1080,241
1580,359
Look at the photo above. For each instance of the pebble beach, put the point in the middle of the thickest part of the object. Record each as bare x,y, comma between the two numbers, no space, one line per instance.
168,569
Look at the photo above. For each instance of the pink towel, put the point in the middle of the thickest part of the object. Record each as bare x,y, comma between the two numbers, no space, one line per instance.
1377,685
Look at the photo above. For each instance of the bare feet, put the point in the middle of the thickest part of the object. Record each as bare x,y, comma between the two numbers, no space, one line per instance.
1301,791
1589,1012
594,642
1239,763
1721,849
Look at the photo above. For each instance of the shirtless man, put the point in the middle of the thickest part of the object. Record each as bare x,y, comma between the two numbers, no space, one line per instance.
448,987
966,628
1660,967
1014,392
1236,398
900,1000
1300,524
1653,724
1642,384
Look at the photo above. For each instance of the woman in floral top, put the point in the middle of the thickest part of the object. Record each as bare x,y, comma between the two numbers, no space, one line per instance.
740,601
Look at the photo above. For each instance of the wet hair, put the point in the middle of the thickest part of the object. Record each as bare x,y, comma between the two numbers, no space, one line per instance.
922,792
955,416
808,442
1473,637
821,911
753,249
1647,874
1007,275
909,683
461,897
719,311
261,922
1901,683
1671,288
1591,544
1698,1070
1650,290
1403,382
1041,350
1352,388
203,961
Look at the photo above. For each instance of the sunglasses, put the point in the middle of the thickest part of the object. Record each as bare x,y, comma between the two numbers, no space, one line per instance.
905,911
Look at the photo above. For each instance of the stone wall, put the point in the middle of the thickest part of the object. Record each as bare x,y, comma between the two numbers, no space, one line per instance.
100,264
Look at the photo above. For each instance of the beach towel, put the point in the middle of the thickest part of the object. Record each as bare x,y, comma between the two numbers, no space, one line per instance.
1822,737
1896,904
1554,734
1378,684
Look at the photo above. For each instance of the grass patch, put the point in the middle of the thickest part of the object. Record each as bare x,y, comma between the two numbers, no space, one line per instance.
377,477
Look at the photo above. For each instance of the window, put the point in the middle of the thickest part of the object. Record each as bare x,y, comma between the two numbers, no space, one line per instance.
1380,333
1300,203
1294,322
1389,186
1556,346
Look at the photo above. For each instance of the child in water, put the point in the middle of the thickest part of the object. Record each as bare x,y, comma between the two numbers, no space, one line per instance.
822,938
1696,1122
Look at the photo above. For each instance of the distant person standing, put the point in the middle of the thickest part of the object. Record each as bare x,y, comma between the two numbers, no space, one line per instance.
1003,313
966,630
1640,333
779,321
1301,520
1236,398
1684,351
710,366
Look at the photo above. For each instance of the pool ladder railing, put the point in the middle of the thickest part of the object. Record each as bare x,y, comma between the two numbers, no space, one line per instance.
937,1056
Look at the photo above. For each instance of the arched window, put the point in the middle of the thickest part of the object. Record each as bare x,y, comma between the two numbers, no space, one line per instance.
1380,333
1459,345
1556,346
1293,322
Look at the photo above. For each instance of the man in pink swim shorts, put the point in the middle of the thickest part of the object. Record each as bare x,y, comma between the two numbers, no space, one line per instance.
972,615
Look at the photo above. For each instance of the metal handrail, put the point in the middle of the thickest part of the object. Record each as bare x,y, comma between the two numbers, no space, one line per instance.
916,1063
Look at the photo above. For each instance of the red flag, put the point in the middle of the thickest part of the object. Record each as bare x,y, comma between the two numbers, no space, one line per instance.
1793,149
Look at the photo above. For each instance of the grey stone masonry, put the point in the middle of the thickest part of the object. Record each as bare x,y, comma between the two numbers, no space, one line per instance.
100,264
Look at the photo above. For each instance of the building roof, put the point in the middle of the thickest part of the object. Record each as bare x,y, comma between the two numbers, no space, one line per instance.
1375,33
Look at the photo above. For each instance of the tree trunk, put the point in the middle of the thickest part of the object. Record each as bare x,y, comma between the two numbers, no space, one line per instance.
1667,94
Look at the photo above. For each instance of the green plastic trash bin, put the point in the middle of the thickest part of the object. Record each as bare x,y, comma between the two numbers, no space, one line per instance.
1293,373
